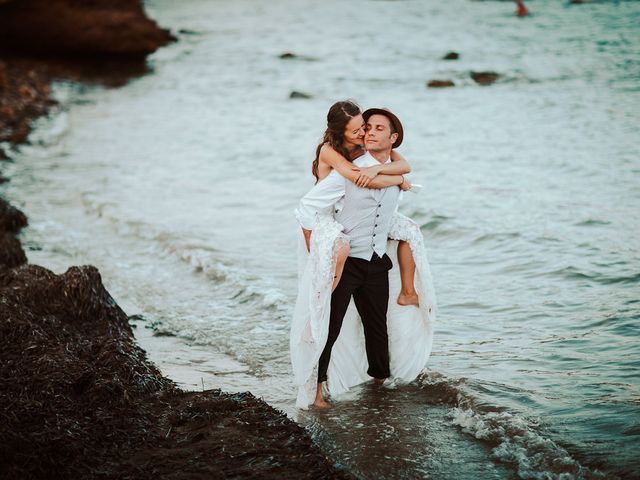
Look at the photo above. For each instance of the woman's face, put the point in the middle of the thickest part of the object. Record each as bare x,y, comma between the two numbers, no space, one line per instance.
354,131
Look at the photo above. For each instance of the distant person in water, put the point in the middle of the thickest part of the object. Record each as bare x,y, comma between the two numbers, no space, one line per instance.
522,9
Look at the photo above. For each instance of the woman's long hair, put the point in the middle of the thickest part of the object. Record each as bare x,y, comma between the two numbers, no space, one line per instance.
339,115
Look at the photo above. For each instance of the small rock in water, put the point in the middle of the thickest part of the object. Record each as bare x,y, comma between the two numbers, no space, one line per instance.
484,78
440,83
451,56
296,94
287,55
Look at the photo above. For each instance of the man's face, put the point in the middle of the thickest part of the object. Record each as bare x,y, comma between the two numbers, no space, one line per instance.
379,136
354,131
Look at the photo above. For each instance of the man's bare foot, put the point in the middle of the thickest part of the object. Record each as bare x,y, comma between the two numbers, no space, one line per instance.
320,402
408,299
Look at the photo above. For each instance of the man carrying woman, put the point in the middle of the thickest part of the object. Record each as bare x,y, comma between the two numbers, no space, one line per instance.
346,227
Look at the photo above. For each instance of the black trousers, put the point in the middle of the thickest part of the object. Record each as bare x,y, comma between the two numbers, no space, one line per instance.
368,282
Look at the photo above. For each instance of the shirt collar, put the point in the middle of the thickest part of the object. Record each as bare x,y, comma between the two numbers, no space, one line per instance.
367,160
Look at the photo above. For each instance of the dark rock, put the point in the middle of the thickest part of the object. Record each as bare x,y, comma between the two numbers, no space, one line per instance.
287,55
102,27
82,401
484,78
11,219
4,76
20,134
451,56
296,94
25,96
11,253
440,83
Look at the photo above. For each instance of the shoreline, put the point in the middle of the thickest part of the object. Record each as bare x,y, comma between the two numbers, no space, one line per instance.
82,399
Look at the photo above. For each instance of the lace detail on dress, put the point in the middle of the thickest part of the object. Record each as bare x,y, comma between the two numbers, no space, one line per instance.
326,239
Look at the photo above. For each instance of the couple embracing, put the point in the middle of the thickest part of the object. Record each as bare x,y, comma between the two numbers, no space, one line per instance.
366,304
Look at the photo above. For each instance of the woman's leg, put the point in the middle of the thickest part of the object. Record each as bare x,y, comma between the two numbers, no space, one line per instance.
408,294
341,255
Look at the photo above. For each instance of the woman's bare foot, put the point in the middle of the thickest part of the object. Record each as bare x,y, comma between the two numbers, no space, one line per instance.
408,299
320,402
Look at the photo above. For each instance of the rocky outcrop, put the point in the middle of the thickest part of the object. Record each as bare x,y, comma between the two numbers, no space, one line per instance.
63,29
451,56
24,96
80,399
89,27
11,221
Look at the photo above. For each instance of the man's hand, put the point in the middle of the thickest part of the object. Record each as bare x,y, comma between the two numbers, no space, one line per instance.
307,238
367,174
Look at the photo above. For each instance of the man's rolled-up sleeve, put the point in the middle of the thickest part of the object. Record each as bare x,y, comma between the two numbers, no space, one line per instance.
322,196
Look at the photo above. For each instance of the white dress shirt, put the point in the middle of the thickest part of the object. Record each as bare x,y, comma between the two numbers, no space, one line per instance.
364,213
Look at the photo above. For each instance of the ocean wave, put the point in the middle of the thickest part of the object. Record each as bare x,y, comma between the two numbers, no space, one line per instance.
573,273
514,439
591,222
202,257
248,288
434,222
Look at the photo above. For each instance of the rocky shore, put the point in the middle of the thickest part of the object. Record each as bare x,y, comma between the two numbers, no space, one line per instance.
79,397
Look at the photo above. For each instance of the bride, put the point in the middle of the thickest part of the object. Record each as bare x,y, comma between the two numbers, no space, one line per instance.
410,317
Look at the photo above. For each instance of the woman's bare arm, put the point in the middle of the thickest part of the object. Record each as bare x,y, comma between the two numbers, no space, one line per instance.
354,174
384,181
336,161
398,166
347,169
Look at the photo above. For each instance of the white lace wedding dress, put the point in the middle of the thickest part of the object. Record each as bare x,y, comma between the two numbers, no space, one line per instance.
410,328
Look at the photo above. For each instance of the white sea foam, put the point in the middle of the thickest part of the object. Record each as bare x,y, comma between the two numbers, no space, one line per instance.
517,442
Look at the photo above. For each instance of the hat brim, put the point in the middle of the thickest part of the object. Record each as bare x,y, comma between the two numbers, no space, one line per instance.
395,120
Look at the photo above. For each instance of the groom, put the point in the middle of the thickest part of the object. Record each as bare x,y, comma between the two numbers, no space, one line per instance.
366,216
